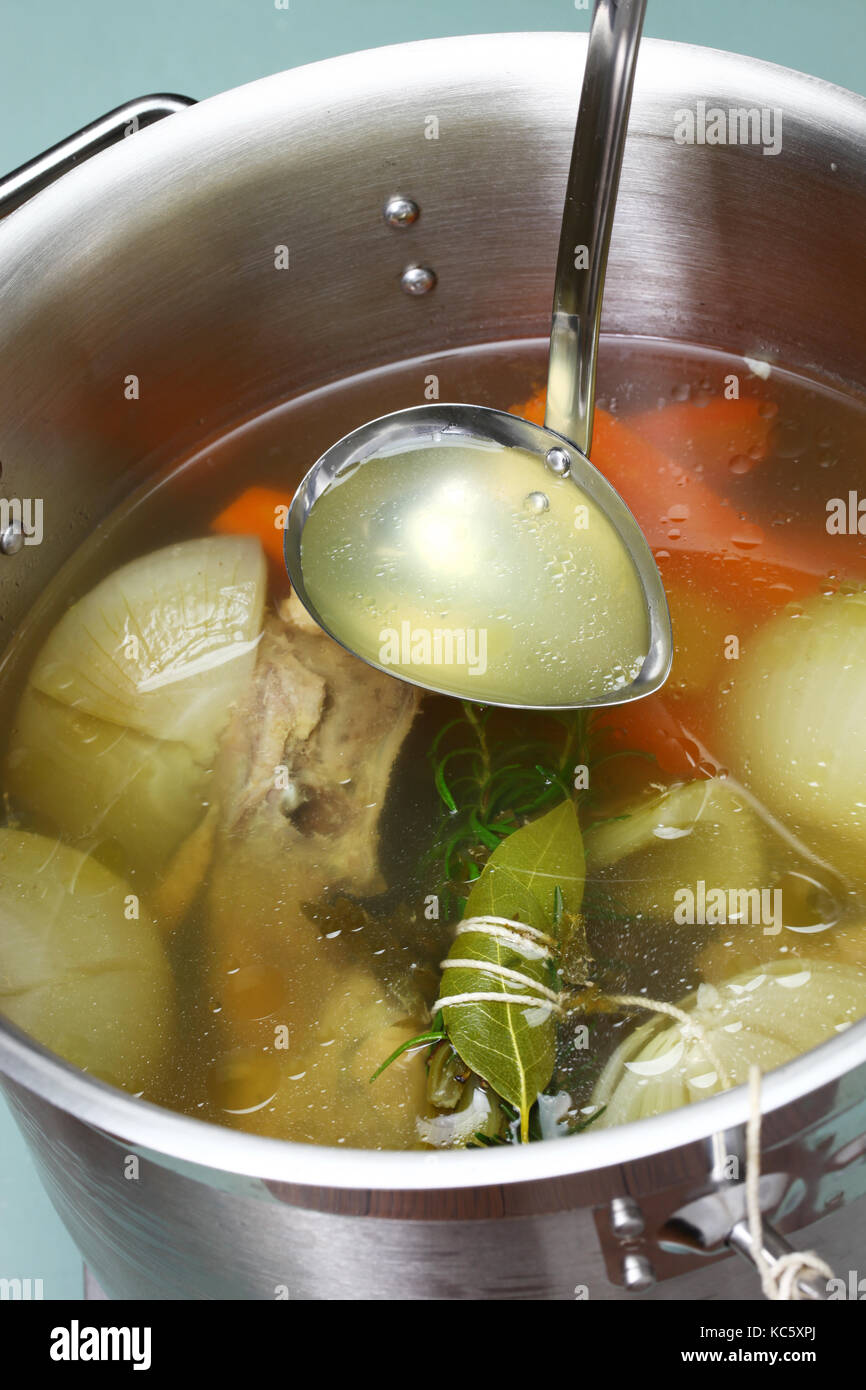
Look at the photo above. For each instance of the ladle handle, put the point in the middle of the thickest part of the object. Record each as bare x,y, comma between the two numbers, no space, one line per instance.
590,201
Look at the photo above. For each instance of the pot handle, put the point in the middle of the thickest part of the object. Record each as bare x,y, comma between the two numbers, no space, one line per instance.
124,120
810,1283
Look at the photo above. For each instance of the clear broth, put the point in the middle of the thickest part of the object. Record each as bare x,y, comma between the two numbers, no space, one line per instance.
234,1072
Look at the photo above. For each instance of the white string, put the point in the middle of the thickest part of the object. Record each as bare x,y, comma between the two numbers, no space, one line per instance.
483,997
522,928
690,1025
513,932
504,928
778,1277
490,967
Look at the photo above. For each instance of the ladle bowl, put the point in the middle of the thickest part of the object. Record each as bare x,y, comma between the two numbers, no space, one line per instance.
447,425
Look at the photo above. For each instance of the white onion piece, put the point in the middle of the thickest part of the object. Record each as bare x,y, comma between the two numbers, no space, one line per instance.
165,644
117,730
701,830
552,1114
457,1127
79,970
102,786
767,1015
794,727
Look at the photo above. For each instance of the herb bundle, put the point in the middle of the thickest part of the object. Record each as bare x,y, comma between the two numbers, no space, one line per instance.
503,977
490,779
508,855
529,879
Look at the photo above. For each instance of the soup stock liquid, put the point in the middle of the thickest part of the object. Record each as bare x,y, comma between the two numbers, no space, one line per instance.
473,568
818,433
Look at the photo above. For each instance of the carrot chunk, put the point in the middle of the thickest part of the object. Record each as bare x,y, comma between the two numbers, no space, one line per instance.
716,438
258,511
680,509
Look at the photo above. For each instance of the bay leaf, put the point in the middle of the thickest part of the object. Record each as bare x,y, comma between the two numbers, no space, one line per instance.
513,1046
542,856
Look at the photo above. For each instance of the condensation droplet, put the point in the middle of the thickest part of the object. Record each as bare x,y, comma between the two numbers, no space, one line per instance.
791,441
536,502
747,535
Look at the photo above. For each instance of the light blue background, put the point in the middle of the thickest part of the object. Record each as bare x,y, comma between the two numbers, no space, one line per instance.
63,62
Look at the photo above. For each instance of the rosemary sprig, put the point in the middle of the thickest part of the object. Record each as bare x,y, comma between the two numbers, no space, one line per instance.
435,1034
491,778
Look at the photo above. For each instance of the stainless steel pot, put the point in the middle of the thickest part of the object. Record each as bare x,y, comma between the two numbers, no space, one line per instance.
156,258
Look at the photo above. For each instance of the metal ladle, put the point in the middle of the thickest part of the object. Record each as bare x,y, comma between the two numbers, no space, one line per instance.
564,442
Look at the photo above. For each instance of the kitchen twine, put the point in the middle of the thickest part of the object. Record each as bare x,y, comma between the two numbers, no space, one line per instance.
778,1276
525,941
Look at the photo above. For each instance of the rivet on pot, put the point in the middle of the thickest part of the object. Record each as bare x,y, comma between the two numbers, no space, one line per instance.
418,279
637,1273
558,461
11,539
626,1218
401,212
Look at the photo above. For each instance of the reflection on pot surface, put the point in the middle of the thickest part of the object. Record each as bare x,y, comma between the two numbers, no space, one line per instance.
252,878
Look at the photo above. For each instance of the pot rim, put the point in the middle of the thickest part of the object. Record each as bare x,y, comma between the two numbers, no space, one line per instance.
172,1135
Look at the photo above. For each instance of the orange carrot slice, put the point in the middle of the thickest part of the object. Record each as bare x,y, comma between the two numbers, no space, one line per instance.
679,511
258,511
532,409
715,438
674,507
652,726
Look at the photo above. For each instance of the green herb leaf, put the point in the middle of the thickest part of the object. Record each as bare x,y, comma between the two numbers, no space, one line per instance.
435,1034
490,779
447,1075
530,877
538,859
